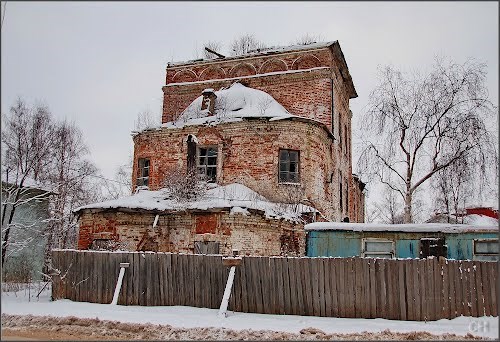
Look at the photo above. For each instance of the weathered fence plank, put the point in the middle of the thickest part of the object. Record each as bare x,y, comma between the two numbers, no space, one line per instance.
417,289
493,276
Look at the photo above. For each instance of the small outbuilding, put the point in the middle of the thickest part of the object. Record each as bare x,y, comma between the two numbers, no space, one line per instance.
452,241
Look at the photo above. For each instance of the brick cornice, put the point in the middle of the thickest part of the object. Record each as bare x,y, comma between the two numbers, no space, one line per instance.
251,81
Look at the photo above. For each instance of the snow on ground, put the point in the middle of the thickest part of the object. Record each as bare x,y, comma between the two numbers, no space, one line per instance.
190,317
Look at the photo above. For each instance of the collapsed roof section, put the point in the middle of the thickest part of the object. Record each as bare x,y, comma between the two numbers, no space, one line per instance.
231,104
236,197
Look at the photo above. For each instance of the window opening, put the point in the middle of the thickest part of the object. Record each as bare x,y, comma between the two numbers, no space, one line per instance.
207,163
486,250
191,157
333,105
378,248
289,166
143,172
340,192
433,247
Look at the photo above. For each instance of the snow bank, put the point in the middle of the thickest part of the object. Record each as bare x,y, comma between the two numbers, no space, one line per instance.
236,196
413,228
190,317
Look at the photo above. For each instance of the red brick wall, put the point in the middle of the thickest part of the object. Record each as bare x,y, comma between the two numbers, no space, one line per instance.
251,235
306,93
248,154
249,151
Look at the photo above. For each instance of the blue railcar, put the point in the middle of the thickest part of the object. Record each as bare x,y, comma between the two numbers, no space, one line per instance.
453,241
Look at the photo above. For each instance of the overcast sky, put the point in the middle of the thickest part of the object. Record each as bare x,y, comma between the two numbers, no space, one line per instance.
101,63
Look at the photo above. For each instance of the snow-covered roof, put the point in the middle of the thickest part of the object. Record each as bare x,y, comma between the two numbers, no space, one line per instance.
263,51
480,220
232,104
409,228
235,196
28,183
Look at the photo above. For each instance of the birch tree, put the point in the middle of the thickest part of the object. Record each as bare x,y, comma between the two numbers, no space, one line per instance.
27,135
43,159
419,125
71,175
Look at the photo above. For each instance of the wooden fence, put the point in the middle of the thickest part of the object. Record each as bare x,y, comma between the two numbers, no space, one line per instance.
411,289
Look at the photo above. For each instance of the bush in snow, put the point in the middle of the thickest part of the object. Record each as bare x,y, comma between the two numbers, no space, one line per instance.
184,186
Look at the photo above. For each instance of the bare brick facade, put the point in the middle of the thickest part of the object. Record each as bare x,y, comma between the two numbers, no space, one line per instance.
310,82
178,233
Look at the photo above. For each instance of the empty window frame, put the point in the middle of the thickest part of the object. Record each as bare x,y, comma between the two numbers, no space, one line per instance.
289,166
143,172
207,162
378,248
433,246
485,250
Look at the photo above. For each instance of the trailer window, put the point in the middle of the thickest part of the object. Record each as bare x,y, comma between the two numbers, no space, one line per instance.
378,248
486,249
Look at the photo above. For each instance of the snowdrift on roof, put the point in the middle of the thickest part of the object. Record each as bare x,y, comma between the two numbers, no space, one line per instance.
232,104
411,228
235,196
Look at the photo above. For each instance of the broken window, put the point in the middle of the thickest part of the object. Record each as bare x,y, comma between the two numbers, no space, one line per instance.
378,248
433,247
143,172
207,162
289,166
486,250
206,247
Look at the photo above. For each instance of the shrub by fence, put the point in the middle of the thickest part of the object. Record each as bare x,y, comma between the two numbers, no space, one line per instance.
410,289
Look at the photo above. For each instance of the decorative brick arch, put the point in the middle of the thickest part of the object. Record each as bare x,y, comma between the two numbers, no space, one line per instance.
212,73
186,75
306,62
242,69
273,65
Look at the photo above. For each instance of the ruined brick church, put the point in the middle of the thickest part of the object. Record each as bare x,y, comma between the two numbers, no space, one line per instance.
270,131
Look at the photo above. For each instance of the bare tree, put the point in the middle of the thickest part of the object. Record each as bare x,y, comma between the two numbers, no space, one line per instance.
43,161
452,186
147,120
308,39
417,126
244,44
214,46
389,210
69,172
27,134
